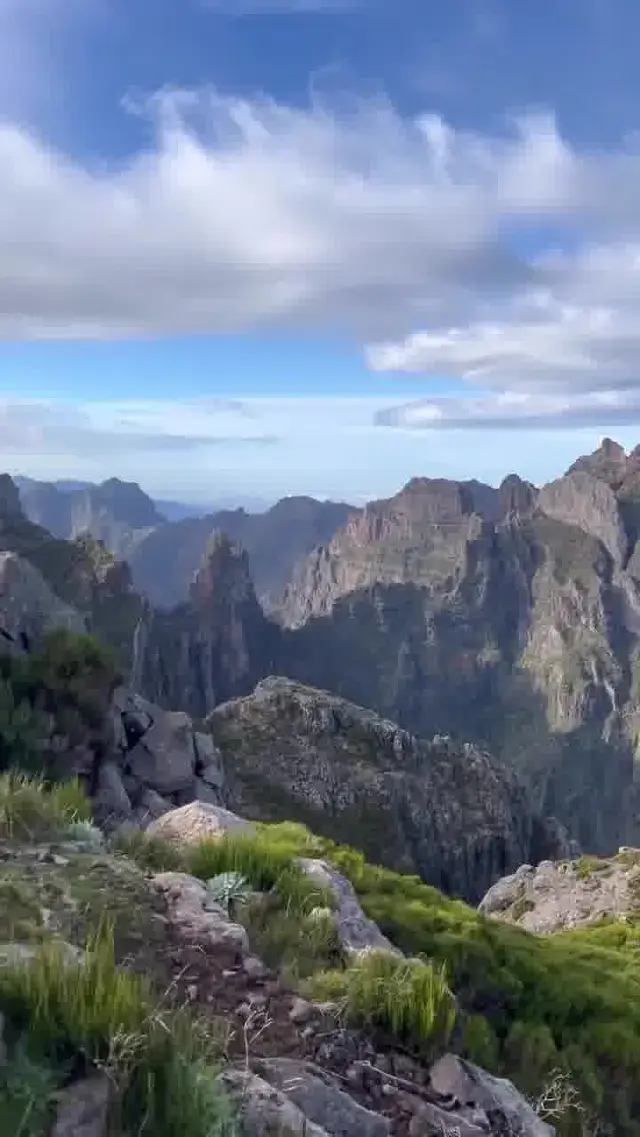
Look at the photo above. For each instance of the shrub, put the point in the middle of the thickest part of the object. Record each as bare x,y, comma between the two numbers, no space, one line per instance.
29,809
63,688
406,997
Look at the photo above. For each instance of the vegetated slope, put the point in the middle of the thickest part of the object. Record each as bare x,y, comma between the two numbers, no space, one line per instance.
559,1012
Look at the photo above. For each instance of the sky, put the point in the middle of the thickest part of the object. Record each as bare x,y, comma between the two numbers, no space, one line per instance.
269,247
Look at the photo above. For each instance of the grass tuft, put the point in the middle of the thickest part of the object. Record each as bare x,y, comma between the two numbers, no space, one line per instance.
407,998
149,852
161,1062
32,810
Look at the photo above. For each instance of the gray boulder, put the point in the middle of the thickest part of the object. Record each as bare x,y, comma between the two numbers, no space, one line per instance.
356,931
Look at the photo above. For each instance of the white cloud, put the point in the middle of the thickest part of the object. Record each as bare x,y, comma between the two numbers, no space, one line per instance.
409,234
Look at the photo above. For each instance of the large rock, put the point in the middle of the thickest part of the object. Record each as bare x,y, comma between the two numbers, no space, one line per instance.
480,1093
320,1100
265,1110
165,757
567,894
445,810
84,1109
196,918
196,820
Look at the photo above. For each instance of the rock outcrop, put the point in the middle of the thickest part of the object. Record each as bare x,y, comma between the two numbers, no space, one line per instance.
567,894
448,812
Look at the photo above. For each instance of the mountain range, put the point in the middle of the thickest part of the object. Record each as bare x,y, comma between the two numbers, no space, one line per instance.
508,618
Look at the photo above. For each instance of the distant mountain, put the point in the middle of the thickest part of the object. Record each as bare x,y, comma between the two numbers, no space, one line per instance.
164,541
166,561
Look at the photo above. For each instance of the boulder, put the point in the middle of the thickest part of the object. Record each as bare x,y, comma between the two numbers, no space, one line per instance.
196,820
476,1092
83,1110
111,800
356,931
321,1101
197,918
165,757
266,1110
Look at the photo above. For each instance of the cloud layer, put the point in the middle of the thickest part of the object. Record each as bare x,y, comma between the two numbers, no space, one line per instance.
510,261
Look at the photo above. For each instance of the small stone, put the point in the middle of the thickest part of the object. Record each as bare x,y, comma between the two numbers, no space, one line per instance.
302,1011
254,967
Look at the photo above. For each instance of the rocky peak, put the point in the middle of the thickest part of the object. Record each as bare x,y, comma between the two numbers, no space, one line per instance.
589,503
421,502
608,463
446,810
516,496
223,575
10,506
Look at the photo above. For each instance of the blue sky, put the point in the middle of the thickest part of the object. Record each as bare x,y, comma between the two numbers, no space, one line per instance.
280,246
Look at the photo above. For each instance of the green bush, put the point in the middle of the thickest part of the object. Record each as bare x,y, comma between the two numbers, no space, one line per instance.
63,688
409,999
161,1063
31,810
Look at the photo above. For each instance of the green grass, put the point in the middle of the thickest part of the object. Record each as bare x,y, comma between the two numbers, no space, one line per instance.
407,998
266,866
580,988
151,853
162,1063
31,810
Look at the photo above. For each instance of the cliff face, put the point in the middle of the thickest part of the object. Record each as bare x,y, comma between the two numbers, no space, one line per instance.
215,646
446,811
519,632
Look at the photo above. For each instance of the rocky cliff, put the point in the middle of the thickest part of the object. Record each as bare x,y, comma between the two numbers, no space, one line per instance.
517,630
446,811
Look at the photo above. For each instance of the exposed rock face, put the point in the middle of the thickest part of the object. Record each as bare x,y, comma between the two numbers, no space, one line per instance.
447,811
582,500
28,605
567,894
520,633
214,646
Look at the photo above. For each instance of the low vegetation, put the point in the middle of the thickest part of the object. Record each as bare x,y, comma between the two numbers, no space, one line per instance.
406,998
31,810
89,1015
